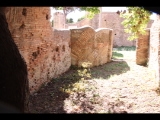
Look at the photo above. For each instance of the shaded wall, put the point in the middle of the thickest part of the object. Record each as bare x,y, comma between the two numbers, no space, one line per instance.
46,51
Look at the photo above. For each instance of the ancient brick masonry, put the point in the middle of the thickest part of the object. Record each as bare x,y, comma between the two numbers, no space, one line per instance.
59,20
109,20
88,45
148,49
46,51
154,50
142,48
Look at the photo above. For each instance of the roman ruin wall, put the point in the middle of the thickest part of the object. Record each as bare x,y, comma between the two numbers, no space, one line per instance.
154,50
109,20
112,20
142,49
148,49
92,46
59,20
46,51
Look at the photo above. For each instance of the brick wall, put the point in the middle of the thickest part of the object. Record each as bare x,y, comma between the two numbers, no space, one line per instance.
154,51
59,20
109,20
88,45
142,49
46,51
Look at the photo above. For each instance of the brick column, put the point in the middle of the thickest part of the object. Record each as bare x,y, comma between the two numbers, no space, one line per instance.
142,49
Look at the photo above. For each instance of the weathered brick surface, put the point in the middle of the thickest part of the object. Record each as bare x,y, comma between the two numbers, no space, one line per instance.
83,23
104,44
88,45
46,52
109,20
59,20
82,44
142,49
112,20
154,51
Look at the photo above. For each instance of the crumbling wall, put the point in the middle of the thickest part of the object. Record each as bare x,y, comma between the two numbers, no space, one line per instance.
83,22
154,50
63,49
103,46
46,52
94,22
112,20
88,45
142,49
71,25
59,20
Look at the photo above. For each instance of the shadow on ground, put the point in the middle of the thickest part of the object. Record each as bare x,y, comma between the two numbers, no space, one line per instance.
116,67
50,97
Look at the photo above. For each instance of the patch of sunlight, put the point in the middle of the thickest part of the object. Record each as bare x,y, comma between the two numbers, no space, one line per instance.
128,54
102,111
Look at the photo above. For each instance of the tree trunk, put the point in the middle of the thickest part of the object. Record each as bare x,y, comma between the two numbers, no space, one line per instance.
14,86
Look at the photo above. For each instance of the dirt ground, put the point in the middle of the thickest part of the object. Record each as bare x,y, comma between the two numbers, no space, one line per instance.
120,86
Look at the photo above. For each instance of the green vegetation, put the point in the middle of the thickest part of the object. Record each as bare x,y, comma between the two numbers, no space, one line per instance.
77,79
70,20
117,55
91,10
125,48
135,21
124,52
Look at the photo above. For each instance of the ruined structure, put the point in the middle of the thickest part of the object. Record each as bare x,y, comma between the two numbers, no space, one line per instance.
59,20
148,49
154,48
88,45
46,51
142,48
107,20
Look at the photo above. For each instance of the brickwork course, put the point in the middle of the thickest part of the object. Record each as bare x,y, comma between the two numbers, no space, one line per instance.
46,51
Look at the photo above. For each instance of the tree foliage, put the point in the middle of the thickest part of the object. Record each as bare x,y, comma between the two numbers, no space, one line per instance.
135,21
70,20
91,10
